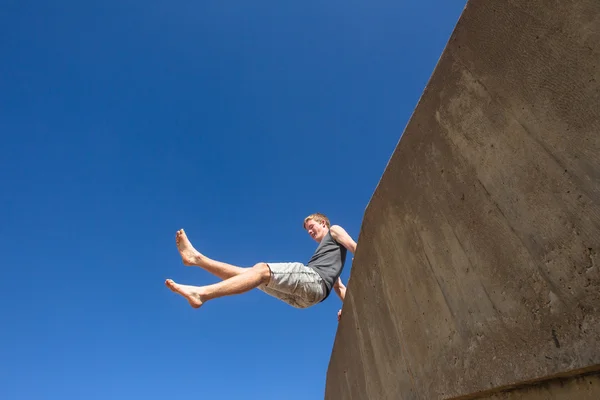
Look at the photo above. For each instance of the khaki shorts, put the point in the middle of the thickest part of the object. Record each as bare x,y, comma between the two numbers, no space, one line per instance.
295,284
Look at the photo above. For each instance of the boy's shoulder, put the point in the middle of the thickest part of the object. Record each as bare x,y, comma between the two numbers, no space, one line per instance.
336,230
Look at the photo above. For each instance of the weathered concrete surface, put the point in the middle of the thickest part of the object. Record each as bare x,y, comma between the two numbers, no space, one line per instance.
576,388
477,266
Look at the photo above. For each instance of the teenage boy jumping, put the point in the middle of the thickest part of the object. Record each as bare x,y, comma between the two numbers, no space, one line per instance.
295,283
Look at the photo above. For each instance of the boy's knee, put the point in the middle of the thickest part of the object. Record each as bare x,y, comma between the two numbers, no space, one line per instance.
264,270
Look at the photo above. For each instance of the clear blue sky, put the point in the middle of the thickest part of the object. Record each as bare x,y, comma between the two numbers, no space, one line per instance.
123,121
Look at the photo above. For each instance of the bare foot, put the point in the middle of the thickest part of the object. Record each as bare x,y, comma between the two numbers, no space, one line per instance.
189,292
189,254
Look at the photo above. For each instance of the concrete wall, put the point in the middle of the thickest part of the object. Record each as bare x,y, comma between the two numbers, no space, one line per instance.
477,267
586,387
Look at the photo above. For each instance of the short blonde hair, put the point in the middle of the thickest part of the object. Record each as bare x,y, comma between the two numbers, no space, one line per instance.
317,217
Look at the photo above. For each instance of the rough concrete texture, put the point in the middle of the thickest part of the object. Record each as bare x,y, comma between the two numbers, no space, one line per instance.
477,268
576,388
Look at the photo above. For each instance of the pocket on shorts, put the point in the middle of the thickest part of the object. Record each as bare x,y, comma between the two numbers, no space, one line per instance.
311,291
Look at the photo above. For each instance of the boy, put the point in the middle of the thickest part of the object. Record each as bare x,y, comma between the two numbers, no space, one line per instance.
298,285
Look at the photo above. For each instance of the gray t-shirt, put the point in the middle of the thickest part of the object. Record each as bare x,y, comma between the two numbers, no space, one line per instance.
328,261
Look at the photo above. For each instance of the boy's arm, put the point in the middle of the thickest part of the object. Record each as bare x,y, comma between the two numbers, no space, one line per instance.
341,236
340,289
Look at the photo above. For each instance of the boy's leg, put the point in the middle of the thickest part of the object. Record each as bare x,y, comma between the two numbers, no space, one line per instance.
240,283
192,257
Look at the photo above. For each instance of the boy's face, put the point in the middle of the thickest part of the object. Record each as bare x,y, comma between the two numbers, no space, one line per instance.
316,230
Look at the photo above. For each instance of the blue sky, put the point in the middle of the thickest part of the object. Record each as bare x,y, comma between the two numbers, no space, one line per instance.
123,121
